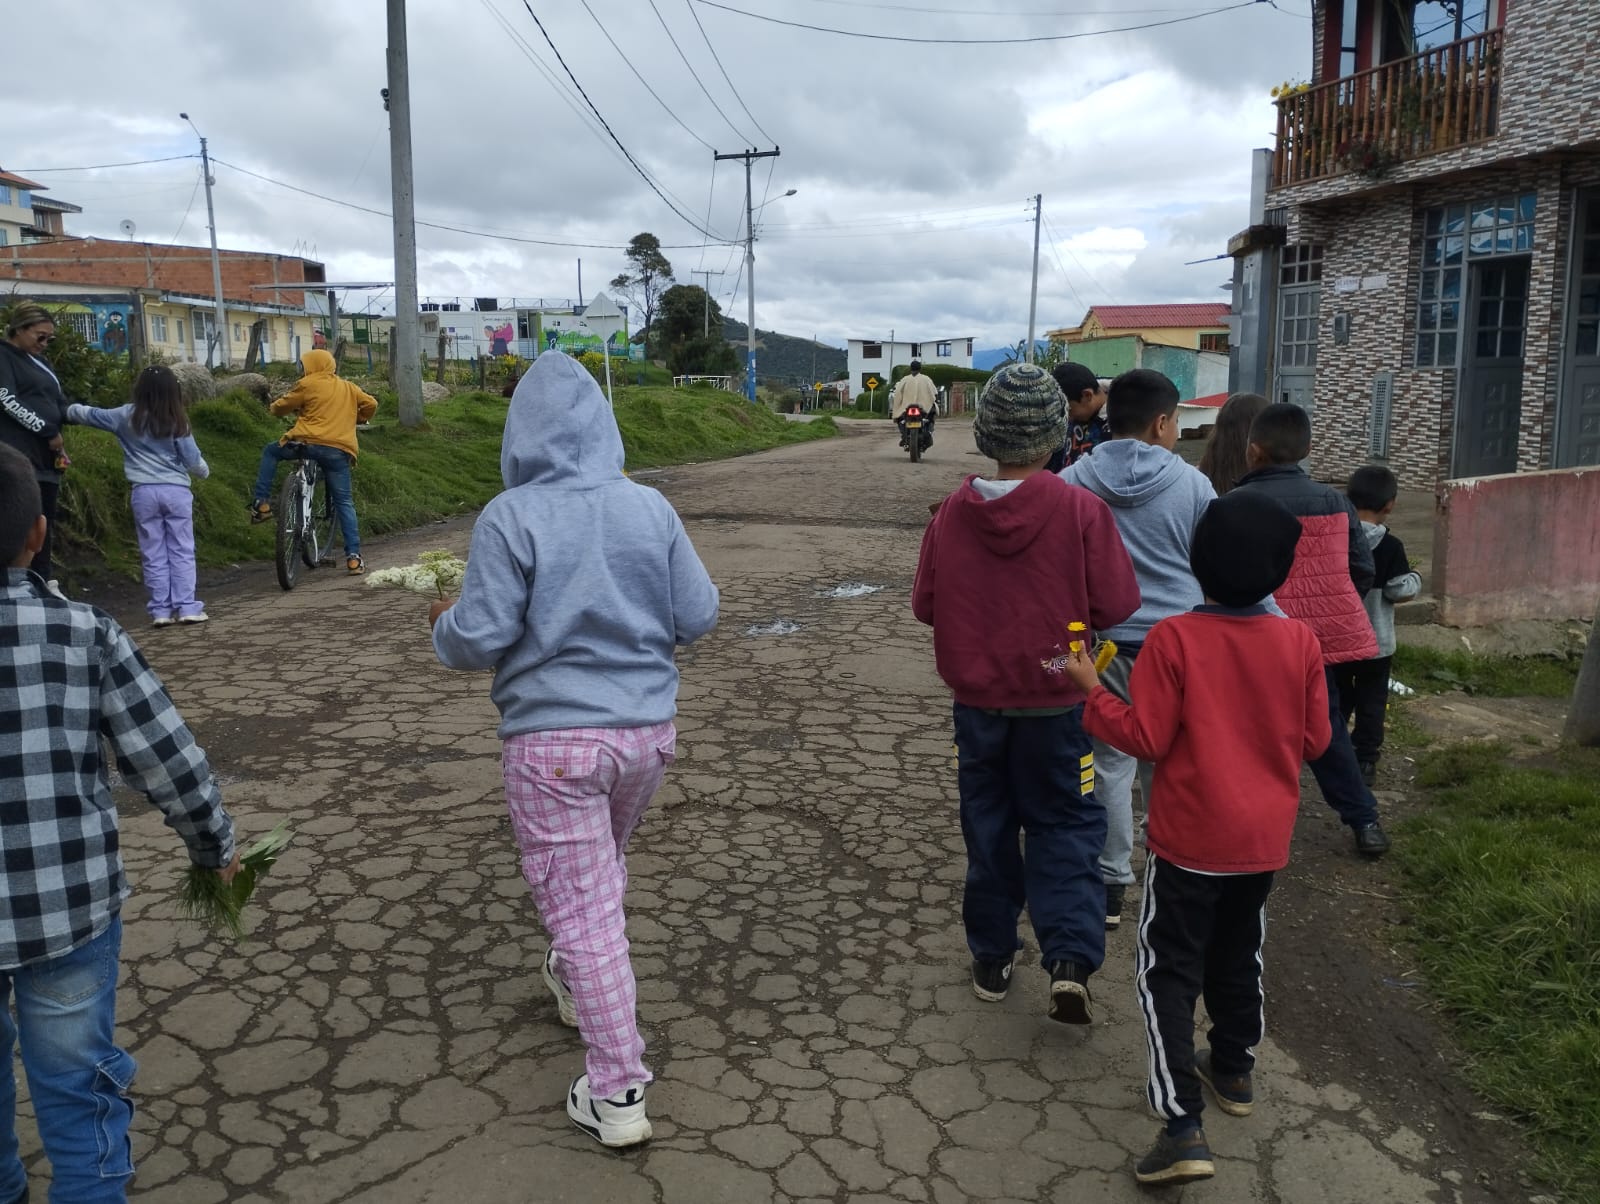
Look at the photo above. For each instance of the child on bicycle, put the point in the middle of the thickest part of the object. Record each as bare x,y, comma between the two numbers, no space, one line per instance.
580,584
327,410
158,455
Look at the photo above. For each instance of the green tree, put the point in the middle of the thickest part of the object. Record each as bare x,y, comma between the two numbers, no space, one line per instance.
679,335
647,277
1052,353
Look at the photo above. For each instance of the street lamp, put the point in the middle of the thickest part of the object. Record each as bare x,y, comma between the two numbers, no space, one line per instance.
750,284
216,261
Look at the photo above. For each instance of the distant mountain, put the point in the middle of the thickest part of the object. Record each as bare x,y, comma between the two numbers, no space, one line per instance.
786,360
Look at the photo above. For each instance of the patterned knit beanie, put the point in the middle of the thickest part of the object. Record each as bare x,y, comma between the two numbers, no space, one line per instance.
1022,415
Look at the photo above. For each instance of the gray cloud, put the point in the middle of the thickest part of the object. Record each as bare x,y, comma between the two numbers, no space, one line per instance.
1148,132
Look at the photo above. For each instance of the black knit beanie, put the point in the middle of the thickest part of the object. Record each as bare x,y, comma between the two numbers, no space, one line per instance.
1243,548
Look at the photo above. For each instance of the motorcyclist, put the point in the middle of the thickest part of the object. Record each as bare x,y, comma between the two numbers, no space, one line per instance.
917,390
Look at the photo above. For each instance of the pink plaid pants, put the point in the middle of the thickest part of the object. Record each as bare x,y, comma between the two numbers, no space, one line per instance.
575,797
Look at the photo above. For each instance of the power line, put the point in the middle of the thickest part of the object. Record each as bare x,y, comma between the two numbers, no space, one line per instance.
1094,280
716,58
710,199
39,171
643,175
737,133
1046,37
990,12
646,83
504,237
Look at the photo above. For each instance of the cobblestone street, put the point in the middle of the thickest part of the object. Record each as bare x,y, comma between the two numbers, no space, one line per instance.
383,1035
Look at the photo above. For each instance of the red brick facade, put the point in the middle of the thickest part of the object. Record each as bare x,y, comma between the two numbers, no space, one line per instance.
1548,143
182,270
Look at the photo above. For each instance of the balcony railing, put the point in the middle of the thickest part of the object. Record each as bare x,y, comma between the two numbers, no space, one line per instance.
1376,119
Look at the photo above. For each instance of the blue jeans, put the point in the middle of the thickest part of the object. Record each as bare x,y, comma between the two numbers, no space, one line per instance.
1034,830
66,1011
335,466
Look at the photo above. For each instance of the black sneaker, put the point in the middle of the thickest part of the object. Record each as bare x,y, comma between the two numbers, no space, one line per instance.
1369,773
1235,1093
1176,1160
991,980
1069,993
1371,841
1115,892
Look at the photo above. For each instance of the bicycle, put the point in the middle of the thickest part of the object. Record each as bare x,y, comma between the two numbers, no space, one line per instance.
305,519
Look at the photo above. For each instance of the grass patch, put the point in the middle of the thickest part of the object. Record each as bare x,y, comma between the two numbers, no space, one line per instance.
1431,672
1502,874
404,478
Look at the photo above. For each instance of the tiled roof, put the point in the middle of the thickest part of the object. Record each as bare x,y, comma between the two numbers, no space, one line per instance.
1124,317
1210,402
17,181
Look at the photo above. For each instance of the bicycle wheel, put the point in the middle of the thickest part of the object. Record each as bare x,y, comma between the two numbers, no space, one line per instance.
318,546
291,527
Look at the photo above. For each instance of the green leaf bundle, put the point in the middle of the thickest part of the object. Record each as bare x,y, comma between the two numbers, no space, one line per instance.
219,905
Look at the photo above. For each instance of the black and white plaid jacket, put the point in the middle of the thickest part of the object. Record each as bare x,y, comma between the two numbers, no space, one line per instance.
72,683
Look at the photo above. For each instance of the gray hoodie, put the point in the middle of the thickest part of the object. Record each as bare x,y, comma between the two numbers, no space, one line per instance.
1396,582
580,582
1156,500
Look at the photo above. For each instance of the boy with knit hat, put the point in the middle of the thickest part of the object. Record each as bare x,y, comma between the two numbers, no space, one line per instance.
1228,701
1007,564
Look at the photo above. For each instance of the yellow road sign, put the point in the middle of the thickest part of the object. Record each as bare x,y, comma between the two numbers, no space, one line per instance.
872,382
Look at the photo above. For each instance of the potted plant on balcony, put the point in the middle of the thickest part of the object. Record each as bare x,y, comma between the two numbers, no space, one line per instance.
1367,156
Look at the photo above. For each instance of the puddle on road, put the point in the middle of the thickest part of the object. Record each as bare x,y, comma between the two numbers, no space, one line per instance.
850,589
776,627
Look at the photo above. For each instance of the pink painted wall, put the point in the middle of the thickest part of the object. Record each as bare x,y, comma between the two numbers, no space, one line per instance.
1522,546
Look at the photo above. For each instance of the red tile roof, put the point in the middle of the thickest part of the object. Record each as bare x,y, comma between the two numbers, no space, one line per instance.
1211,402
1125,317
16,181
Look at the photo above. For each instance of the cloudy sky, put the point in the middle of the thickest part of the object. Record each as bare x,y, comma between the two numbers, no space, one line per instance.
913,163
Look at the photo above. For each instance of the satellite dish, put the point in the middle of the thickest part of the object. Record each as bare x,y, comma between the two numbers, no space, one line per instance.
127,227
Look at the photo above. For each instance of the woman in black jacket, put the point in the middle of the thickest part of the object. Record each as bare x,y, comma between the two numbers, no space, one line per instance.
33,409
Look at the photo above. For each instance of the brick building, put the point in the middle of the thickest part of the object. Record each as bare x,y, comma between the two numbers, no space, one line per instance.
1423,267
180,276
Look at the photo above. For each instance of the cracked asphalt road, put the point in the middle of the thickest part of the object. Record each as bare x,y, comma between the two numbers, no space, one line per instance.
383,1036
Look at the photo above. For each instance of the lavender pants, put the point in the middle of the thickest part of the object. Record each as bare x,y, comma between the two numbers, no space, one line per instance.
163,517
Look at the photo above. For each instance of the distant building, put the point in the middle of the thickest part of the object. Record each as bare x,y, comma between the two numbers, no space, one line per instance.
476,327
869,359
1199,326
1196,373
25,215
179,280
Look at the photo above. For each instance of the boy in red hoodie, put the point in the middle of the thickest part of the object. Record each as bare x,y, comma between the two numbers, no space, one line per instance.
1229,700
1007,563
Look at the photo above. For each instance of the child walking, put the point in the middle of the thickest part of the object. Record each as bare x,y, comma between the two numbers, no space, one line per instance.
580,583
1007,563
75,682
1156,500
1363,686
159,455
1332,571
1228,700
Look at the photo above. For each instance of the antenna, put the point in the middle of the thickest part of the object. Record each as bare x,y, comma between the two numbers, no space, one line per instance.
127,227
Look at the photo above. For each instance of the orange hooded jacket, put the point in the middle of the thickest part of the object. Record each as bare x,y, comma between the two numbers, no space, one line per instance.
327,408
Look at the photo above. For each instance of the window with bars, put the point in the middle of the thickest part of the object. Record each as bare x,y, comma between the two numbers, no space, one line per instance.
83,323
1213,342
1453,235
1297,328
872,351
1301,264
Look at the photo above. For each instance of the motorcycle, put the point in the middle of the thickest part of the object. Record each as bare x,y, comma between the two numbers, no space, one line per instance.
916,432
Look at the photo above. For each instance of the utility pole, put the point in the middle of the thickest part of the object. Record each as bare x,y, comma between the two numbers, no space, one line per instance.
1033,300
707,273
225,344
749,157
407,339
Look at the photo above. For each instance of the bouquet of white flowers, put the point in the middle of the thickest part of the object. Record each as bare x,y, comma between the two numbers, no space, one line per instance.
436,573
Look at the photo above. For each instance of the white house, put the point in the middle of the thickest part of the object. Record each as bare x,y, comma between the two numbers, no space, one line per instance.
868,358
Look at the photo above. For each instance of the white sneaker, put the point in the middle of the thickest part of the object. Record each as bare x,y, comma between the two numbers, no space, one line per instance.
616,1122
163,621
565,1004
201,617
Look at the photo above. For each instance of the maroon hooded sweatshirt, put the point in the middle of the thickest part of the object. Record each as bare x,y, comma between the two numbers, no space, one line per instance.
1000,581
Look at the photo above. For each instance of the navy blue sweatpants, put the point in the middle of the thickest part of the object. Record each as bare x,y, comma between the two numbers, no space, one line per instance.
1034,831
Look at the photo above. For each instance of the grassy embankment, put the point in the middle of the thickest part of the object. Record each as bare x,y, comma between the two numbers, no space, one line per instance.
404,478
1502,878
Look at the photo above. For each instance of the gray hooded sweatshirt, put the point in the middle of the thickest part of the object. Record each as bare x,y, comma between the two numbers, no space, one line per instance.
1156,500
580,582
